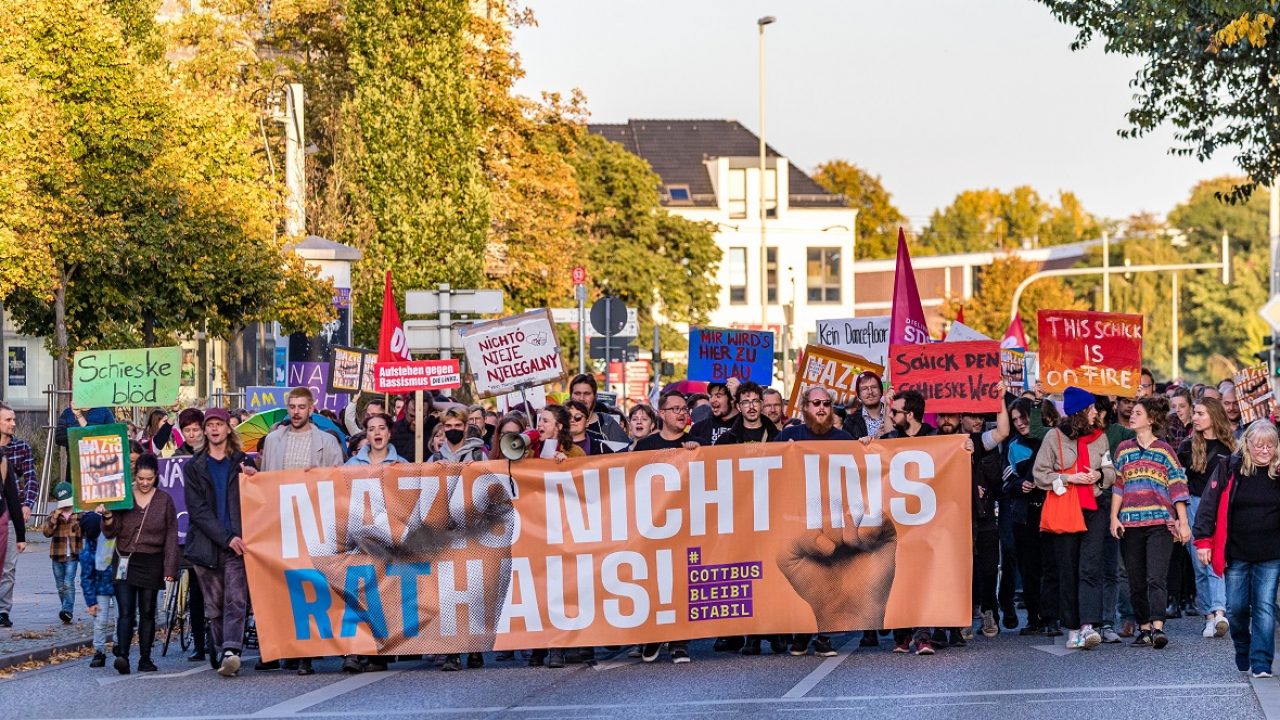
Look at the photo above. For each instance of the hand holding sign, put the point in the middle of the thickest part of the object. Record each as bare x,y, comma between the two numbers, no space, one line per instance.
717,354
1099,352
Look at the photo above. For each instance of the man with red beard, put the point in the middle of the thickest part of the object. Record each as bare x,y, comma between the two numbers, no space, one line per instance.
819,424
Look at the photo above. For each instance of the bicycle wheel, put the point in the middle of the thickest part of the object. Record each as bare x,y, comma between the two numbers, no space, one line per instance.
171,603
184,611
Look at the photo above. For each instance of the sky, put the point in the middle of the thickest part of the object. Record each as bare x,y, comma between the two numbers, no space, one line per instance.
935,96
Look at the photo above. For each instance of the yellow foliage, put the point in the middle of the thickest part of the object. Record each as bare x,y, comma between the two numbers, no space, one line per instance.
1253,29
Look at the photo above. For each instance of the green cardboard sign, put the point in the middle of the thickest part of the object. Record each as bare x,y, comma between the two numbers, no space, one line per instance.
145,377
100,467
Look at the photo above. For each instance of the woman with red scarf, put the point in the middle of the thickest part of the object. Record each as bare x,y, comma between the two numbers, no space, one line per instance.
1074,465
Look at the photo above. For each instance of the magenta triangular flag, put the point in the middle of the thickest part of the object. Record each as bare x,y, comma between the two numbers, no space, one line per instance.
907,326
1014,337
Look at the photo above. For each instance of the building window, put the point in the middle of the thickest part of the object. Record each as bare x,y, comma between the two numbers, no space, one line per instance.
771,274
737,276
770,193
824,275
737,193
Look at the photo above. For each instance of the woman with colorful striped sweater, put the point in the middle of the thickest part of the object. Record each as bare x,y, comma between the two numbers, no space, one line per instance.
1149,510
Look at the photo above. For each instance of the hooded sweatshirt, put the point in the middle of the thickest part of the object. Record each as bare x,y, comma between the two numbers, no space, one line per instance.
470,449
362,457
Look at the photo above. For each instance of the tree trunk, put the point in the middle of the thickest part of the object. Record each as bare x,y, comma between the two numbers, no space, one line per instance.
63,372
148,330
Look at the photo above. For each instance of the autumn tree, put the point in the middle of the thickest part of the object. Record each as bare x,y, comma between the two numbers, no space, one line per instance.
636,250
990,219
416,168
878,218
1208,72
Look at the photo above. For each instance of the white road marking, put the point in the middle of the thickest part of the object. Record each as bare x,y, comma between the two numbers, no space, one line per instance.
328,692
154,676
825,668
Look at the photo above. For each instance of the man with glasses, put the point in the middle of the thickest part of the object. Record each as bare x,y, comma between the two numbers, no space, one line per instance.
773,407
750,425
819,424
870,418
673,415
1146,384
673,412
723,412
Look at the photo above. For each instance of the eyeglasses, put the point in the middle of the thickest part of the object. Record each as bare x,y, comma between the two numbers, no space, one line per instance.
676,410
749,403
895,411
577,417
820,403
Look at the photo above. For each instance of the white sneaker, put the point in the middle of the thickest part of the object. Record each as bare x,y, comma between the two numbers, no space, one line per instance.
1090,639
1220,626
1210,629
1263,675
1073,640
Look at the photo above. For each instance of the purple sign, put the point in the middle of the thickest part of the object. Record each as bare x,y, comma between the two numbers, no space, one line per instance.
720,592
315,375
174,482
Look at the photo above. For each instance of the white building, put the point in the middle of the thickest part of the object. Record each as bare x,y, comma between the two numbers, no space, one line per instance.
710,171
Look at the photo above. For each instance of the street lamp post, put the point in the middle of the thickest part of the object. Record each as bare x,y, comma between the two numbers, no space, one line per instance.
764,251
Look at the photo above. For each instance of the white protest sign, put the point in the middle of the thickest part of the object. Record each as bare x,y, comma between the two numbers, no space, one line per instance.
537,396
959,332
867,337
513,351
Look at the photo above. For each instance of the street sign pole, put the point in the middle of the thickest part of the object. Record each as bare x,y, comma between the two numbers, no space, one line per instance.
608,322
581,291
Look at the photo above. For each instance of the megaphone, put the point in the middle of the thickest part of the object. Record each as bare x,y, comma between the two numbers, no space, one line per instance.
514,445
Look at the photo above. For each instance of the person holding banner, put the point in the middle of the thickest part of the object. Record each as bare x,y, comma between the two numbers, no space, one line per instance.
1211,443
1074,467
871,418
1237,531
378,450
146,558
775,407
588,441
642,421
583,388
723,412
673,410
1148,512
211,487
750,426
816,411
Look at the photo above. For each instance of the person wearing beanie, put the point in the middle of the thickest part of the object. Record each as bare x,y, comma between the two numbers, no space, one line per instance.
1074,461
63,527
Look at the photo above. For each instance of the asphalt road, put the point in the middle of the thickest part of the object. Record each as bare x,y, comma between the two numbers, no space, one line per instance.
1007,677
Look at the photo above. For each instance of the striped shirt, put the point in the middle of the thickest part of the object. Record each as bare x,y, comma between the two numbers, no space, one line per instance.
1148,481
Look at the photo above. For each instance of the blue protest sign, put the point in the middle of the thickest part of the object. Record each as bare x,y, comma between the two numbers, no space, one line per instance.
717,354
264,397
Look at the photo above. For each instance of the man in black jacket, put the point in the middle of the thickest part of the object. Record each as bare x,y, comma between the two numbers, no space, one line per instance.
214,538
749,425
723,412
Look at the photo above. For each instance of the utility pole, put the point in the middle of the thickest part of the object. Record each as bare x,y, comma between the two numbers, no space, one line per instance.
764,213
295,162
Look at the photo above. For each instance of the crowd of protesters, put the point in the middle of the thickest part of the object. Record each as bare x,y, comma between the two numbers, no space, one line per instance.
1099,518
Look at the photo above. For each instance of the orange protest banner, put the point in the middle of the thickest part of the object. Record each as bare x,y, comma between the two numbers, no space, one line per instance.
612,549
835,370
1099,352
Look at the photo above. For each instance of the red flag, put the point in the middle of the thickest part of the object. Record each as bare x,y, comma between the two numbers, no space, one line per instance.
1014,337
393,345
907,325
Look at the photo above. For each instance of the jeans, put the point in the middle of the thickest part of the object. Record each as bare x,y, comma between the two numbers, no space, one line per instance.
1147,550
1211,590
104,623
64,576
140,604
226,602
1251,610
10,568
1078,558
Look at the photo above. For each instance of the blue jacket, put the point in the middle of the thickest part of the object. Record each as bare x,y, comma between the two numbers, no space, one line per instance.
93,582
362,457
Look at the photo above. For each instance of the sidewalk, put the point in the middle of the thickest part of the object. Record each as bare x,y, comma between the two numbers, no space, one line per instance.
36,627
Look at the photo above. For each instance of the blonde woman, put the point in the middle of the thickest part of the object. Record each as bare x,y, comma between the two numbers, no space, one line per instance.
1211,442
1238,530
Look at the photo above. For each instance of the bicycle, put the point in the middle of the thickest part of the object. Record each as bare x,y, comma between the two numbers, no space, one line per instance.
179,616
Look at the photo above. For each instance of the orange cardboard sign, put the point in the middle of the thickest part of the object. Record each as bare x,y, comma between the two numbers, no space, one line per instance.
1099,352
613,549
835,370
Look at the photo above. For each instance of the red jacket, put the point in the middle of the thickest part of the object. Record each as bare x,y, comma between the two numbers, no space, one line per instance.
1210,522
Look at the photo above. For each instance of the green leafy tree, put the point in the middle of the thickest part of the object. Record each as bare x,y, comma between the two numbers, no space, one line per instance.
989,219
637,251
1208,72
417,163
878,218
988,310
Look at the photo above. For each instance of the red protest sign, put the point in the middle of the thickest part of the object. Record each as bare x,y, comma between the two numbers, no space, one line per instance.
953,377
403,377
1099,352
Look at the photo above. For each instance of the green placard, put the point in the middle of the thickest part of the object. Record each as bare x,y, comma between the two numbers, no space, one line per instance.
144,377
100,468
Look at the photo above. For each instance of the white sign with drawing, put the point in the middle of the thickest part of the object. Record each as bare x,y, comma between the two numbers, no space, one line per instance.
513,351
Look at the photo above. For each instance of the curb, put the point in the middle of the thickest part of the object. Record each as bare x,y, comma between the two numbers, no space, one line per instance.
8,661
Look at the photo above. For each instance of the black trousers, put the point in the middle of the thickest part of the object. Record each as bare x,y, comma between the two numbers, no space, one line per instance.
135,605
1078,560
1146,553
195,607
1008,565
986,562
1033,553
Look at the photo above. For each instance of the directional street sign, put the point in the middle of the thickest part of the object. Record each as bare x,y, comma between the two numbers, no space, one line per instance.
477,302
1271,312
